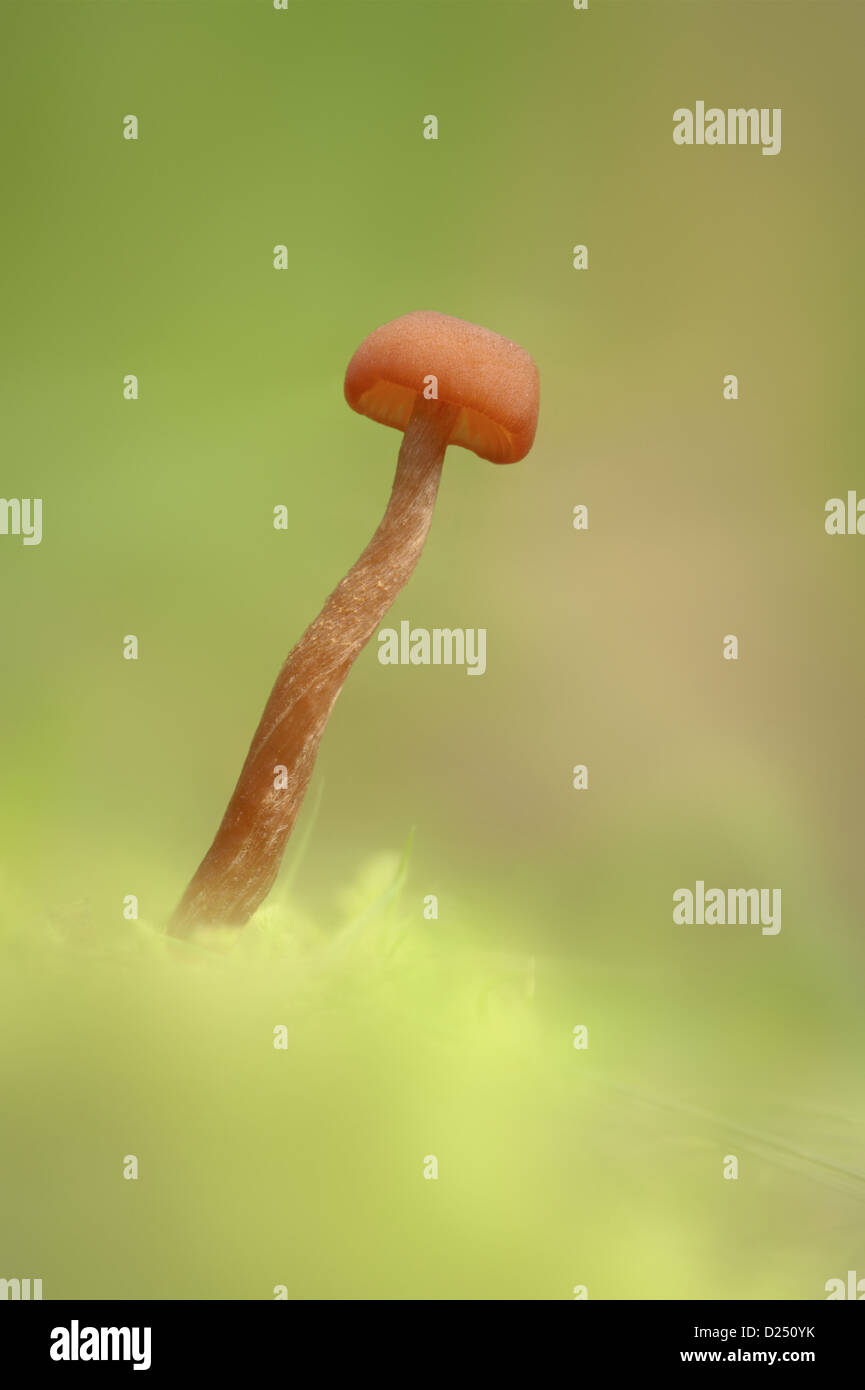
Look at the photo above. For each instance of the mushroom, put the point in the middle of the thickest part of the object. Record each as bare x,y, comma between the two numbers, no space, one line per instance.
441,381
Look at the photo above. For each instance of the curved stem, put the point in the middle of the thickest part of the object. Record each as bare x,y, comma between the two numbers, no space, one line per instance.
238,870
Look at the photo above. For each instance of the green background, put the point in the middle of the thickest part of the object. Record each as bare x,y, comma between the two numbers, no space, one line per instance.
558,1167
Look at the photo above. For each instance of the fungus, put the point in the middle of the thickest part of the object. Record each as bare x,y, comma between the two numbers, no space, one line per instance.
441,381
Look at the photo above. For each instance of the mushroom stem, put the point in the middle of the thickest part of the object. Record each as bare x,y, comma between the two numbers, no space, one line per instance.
239,869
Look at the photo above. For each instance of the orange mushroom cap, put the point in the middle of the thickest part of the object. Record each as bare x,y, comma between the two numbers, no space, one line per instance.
494,381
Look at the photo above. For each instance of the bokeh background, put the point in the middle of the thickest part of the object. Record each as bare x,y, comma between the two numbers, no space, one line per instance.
407,1037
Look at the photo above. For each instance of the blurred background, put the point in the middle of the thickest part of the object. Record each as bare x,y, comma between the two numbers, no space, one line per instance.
558,1167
